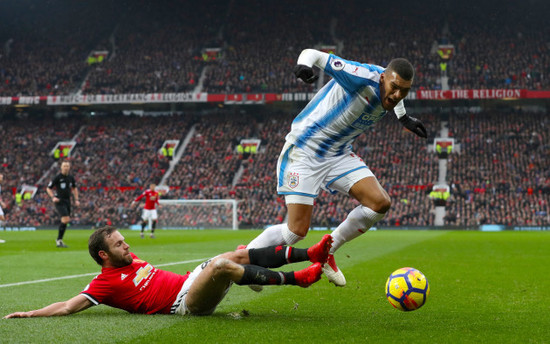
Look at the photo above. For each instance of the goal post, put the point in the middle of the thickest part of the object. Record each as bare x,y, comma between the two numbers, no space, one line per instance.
198,213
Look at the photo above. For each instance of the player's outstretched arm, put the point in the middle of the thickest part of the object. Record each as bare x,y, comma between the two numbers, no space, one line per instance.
74,305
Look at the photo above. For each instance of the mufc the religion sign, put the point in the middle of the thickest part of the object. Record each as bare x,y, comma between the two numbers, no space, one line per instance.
470,94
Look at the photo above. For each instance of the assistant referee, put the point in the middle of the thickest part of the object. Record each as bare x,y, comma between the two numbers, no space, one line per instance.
64,185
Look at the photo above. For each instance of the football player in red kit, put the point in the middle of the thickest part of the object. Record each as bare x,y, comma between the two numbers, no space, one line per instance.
150,209
132,284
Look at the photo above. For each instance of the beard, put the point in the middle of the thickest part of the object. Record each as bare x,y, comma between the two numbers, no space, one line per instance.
120,261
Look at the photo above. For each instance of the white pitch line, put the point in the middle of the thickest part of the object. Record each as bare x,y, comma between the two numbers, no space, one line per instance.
89,274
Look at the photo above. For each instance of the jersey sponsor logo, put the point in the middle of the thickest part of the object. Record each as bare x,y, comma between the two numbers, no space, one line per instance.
293,179
142,274
337,65
366,120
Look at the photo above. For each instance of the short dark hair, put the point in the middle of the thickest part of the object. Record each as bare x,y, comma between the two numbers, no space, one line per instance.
97,242
402,67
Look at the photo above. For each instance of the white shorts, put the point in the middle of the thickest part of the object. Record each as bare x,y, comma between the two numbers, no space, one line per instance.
149,214
300,176
179,306
1,211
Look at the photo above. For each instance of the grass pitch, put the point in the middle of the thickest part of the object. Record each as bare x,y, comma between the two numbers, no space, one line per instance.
485,287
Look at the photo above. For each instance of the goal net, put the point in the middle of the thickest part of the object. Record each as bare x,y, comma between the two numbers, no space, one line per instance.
198,213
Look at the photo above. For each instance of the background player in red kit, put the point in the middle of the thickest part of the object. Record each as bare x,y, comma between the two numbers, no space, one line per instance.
128,283
149,213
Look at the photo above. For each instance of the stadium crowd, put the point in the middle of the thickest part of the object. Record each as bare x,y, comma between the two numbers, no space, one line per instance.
499,176
502,172
114,158
163,47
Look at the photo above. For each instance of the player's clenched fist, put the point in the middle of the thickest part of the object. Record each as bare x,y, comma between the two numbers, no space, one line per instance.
305,73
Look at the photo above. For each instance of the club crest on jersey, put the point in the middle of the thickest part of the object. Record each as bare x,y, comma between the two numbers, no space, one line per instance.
293,180
337,65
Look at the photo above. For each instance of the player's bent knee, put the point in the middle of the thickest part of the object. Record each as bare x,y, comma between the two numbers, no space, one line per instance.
382,205
300,230
385,206
222,266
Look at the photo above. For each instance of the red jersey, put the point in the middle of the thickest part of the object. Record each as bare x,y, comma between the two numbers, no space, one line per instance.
151,199
136,288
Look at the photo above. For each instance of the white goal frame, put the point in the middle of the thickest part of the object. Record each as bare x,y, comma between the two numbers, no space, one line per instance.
234,205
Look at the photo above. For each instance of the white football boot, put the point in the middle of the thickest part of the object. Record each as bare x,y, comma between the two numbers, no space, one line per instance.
332,272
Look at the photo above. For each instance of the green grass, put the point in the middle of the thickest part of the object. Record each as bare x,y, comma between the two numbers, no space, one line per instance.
485,288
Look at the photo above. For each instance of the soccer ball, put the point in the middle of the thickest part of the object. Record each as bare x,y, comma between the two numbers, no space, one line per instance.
407,289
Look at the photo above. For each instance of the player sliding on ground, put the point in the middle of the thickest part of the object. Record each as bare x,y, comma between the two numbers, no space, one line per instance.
128,283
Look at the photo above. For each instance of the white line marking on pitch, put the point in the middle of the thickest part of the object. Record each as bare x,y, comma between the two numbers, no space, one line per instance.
90,274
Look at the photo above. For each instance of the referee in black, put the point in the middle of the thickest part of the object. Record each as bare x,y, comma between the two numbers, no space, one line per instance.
64,185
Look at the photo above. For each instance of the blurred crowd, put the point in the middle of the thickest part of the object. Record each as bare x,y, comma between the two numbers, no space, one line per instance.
499,175
502,174
164,47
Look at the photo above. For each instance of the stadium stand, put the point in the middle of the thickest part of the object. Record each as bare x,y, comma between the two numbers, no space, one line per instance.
500,174
161,47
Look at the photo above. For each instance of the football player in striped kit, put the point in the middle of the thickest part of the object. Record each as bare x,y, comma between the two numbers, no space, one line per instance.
318,152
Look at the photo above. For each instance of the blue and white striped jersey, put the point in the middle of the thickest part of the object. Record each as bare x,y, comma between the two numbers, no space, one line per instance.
347,105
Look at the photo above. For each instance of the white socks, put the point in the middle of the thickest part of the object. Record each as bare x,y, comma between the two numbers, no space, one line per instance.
275,235
359,221
289,236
